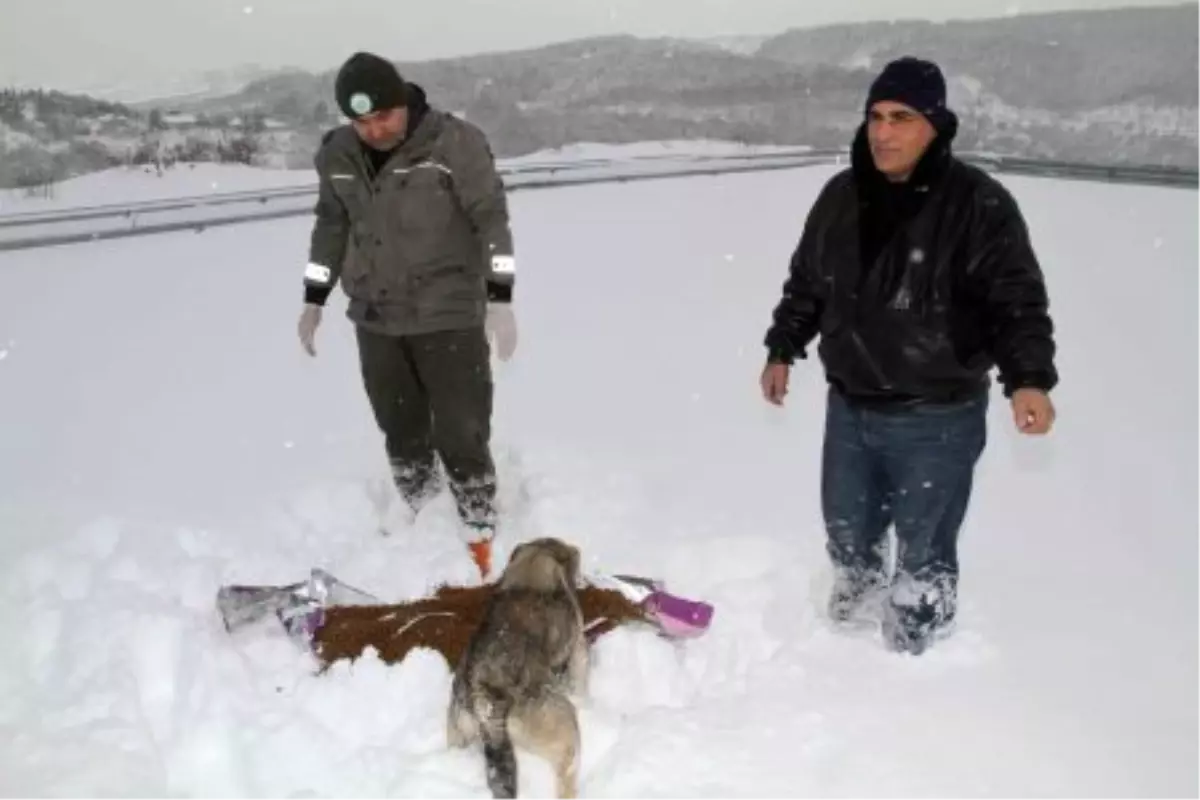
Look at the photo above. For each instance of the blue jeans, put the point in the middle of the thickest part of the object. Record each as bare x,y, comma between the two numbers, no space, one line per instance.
911,468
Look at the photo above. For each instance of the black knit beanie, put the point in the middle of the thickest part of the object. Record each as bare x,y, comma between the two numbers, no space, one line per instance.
367,83
916,83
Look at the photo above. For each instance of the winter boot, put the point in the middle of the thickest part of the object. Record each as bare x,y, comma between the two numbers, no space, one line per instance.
416,484
852,590
909,629
918,613
399,501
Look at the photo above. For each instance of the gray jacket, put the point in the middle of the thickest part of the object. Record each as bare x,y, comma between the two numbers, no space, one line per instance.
412,247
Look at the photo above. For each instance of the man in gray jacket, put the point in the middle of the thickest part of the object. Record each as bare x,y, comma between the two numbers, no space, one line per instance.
413,221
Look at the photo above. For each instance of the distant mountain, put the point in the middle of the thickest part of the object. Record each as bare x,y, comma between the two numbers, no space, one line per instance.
1063,62
152,88
611,89
1109,85
47,136
1112,86
746,45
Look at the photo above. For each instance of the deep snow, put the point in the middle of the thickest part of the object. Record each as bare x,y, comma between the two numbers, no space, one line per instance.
163,434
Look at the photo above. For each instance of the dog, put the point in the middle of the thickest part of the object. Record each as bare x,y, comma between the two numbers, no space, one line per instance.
512,685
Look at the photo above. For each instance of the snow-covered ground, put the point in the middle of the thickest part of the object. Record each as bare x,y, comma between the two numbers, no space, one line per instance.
142,183
120,185
669,148
164,434
196,196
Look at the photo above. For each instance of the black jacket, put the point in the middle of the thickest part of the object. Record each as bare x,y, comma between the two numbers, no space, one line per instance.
919,289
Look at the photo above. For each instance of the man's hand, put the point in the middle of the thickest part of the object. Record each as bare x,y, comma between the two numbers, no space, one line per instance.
310,318
1033,412
775,382
501,325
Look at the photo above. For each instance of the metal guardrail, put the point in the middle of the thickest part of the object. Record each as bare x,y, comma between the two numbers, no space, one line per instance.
1109,173
97,223
77,213
198,213
128,209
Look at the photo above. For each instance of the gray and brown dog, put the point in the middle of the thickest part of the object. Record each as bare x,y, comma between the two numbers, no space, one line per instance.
512,686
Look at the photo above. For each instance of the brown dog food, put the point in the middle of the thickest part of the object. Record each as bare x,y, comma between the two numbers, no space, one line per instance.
443,623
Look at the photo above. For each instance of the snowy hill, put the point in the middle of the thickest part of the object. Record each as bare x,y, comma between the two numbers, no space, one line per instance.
1045,61
48,136
165,434
142,89
1073,85
1111,86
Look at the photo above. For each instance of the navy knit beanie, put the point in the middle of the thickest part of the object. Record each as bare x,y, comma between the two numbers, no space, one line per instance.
916,83
367,83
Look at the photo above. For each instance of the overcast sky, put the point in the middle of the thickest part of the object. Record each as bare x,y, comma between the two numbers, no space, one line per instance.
77,44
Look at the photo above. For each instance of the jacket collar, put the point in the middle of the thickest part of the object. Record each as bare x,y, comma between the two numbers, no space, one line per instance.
418,108
424,126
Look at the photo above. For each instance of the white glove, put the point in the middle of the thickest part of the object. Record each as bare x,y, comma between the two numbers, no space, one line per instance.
310,318
501,326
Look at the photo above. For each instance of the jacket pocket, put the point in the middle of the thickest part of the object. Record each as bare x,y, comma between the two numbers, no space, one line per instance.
450,291
422,196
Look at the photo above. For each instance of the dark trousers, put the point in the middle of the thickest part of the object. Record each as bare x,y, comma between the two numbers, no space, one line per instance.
911,468
432,395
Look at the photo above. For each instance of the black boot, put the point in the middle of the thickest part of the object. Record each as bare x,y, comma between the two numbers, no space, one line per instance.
920,612
417,483
852,590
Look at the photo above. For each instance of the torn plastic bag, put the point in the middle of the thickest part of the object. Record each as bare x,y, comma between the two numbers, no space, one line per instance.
299,607
677,617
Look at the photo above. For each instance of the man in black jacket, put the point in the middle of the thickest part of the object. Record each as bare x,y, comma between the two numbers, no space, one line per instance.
916,271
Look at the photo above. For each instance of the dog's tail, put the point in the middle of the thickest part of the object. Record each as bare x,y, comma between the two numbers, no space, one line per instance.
492,710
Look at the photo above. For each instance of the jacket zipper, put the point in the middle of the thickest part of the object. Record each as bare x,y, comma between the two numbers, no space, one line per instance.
862,349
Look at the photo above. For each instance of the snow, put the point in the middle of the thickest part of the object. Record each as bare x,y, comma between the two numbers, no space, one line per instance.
131,184
210,196
164,434
142,183
678,148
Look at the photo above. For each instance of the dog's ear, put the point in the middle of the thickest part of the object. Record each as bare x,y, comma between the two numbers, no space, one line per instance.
573,565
